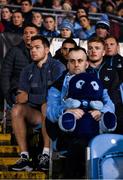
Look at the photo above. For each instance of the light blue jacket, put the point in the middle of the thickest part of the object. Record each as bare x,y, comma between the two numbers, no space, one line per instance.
56,105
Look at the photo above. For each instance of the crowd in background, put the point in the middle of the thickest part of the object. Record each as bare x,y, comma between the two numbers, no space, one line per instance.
94,6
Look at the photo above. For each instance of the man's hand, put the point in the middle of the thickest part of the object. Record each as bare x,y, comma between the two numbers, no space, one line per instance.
78,113
22,97
96,114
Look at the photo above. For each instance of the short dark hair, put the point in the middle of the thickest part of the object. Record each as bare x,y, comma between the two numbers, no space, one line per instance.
49,16
113,37
10,10
77,48
69,40
44,40
18,11
29,1
31,25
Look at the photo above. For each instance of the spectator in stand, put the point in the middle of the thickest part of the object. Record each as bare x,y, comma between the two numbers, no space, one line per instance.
56,4
118,2
50,27
66,29
62,53
37,19
99,3
26,8
30,101
107,73
86,28
5,24
97,65
80,12
39,3
15,2
73,144
17,22
85,4
102,27
67,6
15,60
120,10
109,7
112,56
93,7
4,2
115,60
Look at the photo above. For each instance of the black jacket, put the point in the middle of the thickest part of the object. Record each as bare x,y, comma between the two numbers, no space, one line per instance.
16,59
110,79
116,62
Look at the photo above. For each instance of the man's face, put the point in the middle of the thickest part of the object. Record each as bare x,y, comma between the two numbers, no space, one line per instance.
65,49
28,33
111,47
77,62
38,51
17,19
101,32
95,51
26,7
49,24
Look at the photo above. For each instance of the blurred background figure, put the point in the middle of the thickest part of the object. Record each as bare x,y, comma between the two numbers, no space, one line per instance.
50,27
26,8
62,53
80,12
120,10
5,24
4,2
86,29
66,29
39,3
37,19
17,22
56,4
102,28
93,7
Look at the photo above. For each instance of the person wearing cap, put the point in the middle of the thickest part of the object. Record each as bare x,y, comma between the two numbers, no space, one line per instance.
93,7
102,28
66,29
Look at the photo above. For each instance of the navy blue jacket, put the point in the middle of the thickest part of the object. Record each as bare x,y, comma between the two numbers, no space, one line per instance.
35,80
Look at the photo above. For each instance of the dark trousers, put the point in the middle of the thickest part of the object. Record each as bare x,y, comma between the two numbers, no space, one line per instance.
74,167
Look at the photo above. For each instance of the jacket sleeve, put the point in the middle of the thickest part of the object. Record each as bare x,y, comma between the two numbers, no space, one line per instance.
108,121
6,71
54,105
108,104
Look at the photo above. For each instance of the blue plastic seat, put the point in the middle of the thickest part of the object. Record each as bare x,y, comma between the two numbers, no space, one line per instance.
105,157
